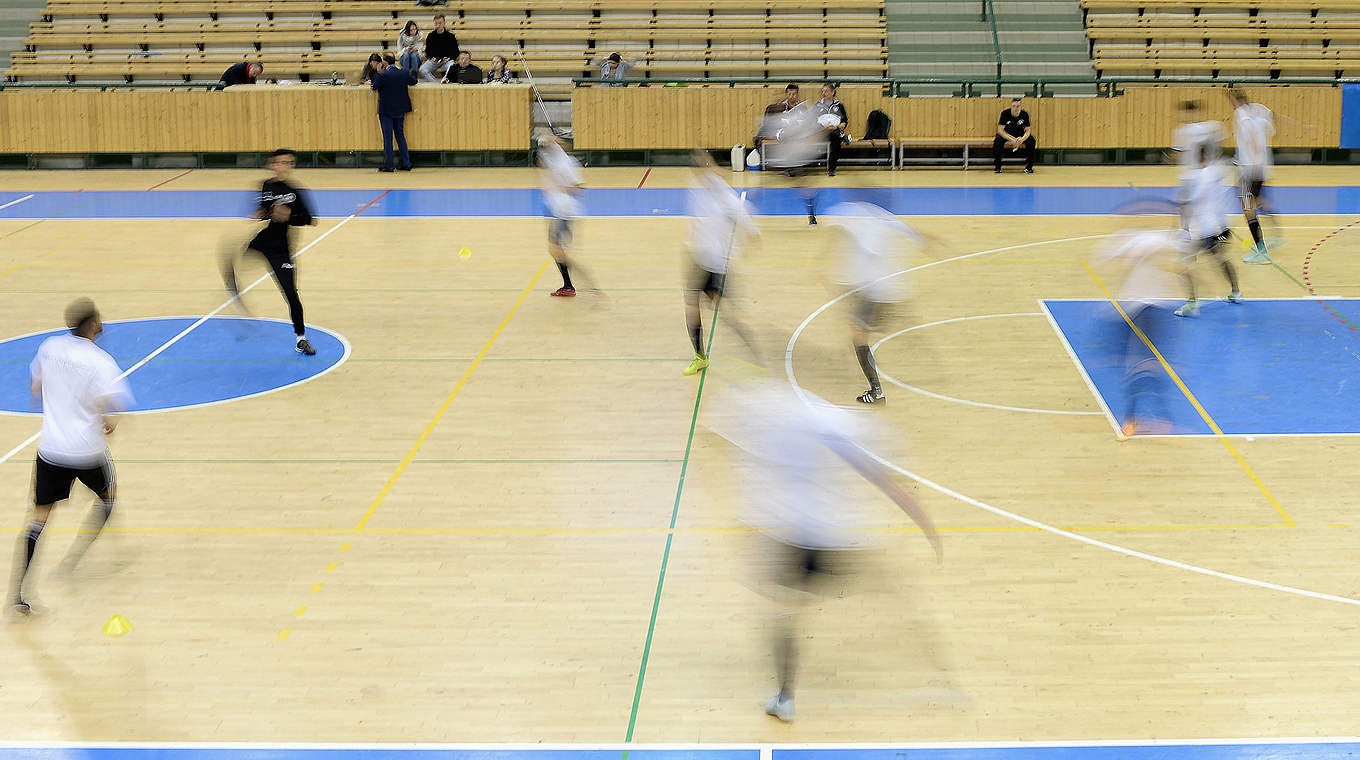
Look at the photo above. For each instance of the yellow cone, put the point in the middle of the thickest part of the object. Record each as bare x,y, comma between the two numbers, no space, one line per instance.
117,626
465,253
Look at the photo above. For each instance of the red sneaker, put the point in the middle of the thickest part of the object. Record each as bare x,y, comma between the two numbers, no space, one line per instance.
564,293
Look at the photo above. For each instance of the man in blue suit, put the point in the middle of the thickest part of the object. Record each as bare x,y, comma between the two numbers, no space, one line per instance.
394,102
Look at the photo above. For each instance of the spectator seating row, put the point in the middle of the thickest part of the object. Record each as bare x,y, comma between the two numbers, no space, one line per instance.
1223,38
197,39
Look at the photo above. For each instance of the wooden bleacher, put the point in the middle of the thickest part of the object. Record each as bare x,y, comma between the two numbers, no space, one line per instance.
169,40
1224,37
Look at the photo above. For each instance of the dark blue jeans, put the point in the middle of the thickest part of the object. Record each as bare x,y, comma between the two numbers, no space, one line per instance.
411,62
397,125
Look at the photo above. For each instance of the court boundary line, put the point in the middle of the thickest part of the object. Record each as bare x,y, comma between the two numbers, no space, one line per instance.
344,357
717,746
964,401
1081,369
8,455
25,198
1117,549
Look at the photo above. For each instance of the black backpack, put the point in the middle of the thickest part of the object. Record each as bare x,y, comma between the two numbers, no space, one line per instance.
877,127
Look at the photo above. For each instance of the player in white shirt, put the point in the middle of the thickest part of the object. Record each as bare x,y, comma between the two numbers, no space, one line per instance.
1152,266
563,187
718,217
82,389
1202,198
800,466
1253,126
871,244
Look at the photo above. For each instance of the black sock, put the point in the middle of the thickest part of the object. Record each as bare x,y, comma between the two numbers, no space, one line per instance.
29,540
1232,275
1254,225
566,277
696,336
866,363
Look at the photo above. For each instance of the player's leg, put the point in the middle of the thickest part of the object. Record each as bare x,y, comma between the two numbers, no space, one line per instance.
1031,153
694,325
860,324
103,482
998,146
1191,306
796,567
1250,194
285,275
559,236
51,484
1218,246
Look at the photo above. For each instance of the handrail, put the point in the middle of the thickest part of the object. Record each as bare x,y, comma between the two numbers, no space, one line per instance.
996,44
731,81
102,86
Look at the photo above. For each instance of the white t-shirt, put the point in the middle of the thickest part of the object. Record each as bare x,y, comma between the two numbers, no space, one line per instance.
1207,200
799,490
1198,143
561,177
80,383
875,245
1253,126
717,213
1150,256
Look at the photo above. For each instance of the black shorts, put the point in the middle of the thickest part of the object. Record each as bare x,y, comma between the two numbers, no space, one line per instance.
272,247
1210,244
702,280
807,569
866,314
52,482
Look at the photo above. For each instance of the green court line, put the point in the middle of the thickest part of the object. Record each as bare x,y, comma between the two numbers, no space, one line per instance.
40,221
670,535
1287,273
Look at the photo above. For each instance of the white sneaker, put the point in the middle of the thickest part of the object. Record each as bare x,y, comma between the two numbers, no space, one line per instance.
780,708
1189,309
1235,296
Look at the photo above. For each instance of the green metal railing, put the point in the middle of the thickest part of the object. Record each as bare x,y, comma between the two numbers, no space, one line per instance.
996,44
102,86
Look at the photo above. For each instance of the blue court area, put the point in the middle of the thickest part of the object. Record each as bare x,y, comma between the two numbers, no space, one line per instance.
222,359
1263,367
1264,750
774,200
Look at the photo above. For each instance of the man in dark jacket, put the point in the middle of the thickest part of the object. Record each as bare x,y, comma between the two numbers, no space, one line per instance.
441,50
244,72
394,102
465,72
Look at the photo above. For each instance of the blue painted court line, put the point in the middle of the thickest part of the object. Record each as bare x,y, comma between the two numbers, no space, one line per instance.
628,202
1263,367
370,753
223,359
1115,752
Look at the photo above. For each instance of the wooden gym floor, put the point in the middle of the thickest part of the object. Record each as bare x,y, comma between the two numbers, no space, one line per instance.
463,532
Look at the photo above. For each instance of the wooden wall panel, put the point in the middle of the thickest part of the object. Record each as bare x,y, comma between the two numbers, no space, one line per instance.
257,119
718,117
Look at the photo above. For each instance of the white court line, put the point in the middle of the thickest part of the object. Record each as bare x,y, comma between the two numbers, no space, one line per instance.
1081,368
793,380
16,202
10,454
672,746
964,401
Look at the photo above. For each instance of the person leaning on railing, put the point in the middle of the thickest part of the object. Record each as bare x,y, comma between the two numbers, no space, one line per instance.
244,72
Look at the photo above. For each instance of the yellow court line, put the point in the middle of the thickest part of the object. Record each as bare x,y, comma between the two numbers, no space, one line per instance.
439,415
1218,432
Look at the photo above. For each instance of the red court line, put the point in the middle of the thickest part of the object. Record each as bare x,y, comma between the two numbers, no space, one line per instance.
369,205
645,175
168,181
1307,278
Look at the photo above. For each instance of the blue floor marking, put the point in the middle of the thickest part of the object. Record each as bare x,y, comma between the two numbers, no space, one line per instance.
1258,368
366,753
769,201
1136,752
221,360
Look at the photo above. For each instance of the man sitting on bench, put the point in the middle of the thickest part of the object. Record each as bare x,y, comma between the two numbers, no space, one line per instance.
1012,133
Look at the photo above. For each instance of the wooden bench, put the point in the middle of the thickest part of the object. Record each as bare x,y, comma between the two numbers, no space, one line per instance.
1308,5
966,143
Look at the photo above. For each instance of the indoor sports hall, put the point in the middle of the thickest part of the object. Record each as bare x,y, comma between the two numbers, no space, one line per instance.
483,521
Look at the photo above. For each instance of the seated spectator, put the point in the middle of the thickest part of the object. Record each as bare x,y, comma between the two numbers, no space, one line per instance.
498,73
244,72
408,47
774,117
441,50
371,69
614,68
465,73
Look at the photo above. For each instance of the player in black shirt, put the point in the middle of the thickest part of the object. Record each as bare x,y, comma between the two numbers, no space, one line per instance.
282,206
1012,132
